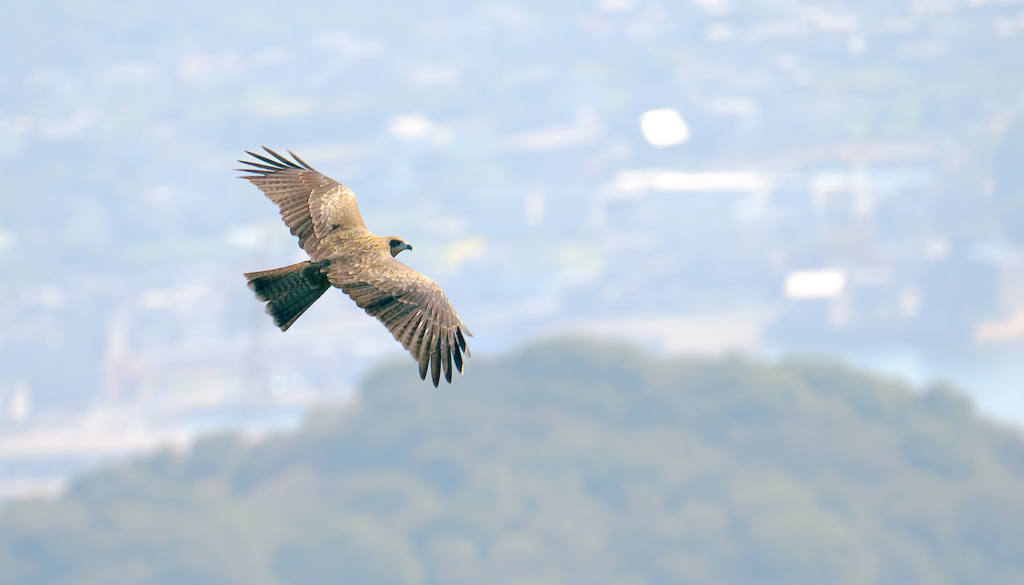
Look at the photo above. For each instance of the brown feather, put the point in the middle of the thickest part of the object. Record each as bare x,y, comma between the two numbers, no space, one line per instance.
457,357
446,355
435,358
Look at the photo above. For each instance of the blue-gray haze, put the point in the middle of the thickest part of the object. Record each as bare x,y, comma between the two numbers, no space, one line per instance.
490,135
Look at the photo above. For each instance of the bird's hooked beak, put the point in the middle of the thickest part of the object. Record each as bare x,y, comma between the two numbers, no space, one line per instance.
398,245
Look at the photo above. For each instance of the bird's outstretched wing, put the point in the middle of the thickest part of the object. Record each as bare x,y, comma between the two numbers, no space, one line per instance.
311,204
412,306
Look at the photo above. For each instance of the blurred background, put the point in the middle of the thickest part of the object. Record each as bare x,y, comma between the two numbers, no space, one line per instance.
773,178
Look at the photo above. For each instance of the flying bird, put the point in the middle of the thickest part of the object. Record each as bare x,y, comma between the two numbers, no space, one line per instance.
323,214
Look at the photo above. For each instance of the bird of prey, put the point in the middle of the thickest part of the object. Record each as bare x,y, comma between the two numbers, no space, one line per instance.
323,214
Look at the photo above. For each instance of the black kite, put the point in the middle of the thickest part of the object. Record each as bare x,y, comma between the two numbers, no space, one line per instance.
323,214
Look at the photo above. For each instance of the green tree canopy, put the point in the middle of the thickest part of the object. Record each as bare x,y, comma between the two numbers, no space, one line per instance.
565,463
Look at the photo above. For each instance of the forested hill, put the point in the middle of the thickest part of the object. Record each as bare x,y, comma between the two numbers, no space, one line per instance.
566,463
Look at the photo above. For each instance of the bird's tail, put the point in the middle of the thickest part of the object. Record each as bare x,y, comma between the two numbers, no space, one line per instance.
289,291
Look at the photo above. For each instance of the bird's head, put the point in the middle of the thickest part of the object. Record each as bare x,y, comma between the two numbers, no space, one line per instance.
397,245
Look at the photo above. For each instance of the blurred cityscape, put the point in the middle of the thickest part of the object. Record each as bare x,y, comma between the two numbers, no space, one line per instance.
772,177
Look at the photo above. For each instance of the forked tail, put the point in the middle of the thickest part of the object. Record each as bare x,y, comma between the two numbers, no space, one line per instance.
289,291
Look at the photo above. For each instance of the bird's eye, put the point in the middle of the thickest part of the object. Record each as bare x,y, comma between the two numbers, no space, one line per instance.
396,243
